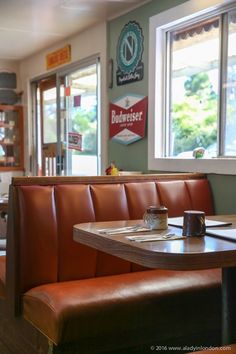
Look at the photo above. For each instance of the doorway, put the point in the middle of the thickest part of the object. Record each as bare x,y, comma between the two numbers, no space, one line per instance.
67,129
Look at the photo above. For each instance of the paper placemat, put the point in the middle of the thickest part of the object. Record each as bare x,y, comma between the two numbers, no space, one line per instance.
154,238
229,234
178,221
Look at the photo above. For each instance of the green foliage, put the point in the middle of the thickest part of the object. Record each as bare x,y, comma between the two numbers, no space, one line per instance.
196,84
194,121
85,123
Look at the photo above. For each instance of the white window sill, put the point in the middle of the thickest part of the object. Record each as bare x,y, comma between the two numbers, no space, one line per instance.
226,166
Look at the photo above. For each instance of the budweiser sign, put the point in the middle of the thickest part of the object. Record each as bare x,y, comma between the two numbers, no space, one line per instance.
128,119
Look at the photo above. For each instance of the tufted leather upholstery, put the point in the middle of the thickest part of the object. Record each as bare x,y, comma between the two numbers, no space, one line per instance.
199,195
55,209
2,277
70,291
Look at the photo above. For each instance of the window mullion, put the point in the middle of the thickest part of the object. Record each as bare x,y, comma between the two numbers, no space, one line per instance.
167,104
223,83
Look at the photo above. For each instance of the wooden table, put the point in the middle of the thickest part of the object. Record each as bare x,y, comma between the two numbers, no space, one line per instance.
191,253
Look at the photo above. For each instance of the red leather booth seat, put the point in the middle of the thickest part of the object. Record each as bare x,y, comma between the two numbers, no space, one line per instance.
79,297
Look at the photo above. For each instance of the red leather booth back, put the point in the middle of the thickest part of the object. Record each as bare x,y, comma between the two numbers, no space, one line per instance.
47,214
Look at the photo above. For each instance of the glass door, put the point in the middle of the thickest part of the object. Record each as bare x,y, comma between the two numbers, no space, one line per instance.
49,152
79,121
67,122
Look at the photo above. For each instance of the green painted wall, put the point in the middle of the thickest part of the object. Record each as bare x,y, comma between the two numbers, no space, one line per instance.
133,156
224,193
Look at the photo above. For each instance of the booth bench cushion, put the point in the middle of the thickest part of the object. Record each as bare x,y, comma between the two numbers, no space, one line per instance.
73,310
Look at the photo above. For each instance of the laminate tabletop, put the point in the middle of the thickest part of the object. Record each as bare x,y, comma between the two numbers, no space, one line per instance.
190,253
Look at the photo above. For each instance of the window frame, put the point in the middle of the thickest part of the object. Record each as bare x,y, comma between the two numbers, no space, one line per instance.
158,26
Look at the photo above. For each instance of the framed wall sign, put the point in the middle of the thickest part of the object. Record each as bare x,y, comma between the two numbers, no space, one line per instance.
129,54
128,118
59,57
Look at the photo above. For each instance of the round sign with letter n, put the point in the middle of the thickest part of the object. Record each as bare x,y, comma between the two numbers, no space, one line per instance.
129,54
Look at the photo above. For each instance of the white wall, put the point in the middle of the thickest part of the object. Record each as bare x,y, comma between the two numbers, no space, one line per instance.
90,42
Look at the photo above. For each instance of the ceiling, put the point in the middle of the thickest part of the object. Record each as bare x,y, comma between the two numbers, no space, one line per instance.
28,26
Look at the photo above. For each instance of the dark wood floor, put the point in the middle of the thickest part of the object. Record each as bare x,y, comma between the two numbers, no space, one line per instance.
4,349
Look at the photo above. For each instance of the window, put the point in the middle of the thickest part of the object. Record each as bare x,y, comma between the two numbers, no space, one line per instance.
193,88
230,87
192,101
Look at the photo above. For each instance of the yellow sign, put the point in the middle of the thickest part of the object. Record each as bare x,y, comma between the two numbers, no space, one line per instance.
59,57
